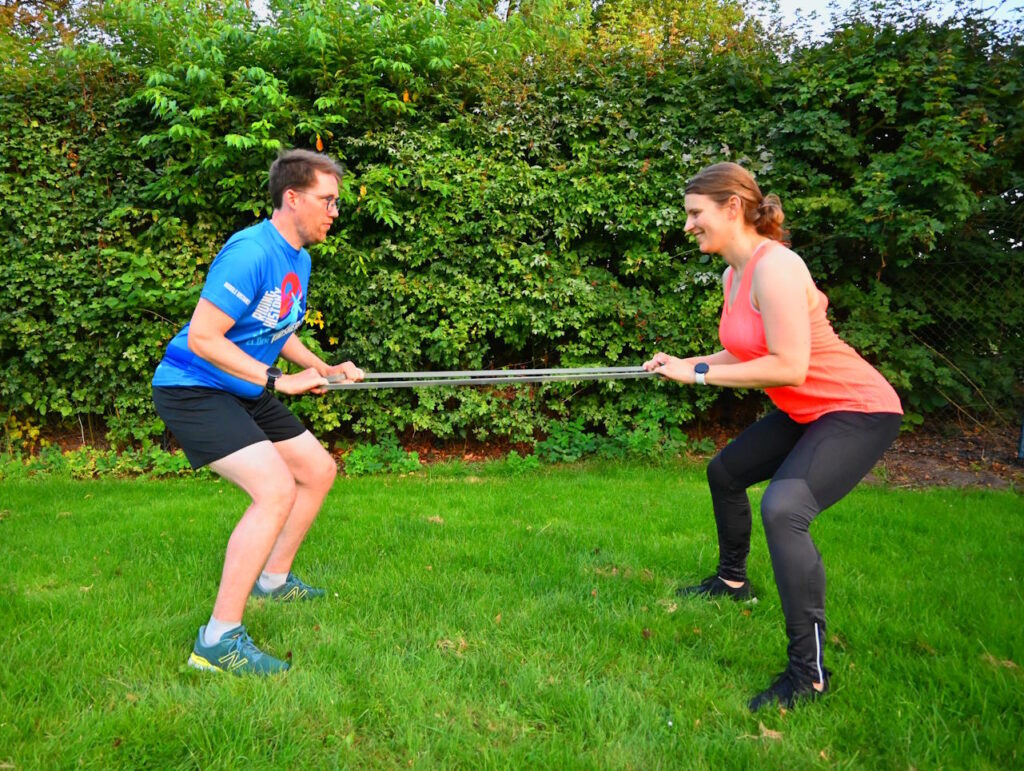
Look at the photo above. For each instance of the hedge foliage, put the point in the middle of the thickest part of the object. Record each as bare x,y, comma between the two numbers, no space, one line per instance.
514,195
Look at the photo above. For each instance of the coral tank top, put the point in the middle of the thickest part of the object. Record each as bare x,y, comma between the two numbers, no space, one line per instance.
838,379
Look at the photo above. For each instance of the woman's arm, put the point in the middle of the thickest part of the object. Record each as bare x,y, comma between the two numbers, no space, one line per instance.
662,358
782,291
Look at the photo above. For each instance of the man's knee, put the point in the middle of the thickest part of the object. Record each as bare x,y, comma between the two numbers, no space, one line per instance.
322,470
275,494
788,505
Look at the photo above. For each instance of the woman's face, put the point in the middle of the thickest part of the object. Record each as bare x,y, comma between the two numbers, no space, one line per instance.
709,222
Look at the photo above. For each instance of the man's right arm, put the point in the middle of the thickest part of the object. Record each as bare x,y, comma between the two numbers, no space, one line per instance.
207,339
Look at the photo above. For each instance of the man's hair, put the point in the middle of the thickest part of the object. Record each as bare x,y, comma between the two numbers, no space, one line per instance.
296,170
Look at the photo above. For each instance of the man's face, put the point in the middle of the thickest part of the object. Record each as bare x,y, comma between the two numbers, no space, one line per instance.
315,208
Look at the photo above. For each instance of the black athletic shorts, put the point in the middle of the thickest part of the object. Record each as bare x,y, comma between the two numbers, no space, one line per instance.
210,424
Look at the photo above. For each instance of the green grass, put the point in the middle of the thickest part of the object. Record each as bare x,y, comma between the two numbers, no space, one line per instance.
531,623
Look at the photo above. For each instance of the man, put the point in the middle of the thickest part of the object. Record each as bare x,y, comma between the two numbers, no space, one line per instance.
214,389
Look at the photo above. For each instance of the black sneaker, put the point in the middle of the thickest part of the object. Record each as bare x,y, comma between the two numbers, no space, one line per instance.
787,690
713,586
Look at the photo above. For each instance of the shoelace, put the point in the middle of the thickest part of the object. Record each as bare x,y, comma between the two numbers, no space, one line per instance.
244,644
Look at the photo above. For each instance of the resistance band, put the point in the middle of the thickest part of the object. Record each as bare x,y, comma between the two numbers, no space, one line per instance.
477,377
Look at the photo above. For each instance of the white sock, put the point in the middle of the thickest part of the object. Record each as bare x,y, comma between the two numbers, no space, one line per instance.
215,629
271,581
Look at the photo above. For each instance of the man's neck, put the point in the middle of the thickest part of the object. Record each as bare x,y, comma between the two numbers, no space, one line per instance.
286,227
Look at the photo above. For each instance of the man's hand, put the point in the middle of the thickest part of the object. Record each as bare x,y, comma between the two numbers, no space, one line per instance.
350,371
301,382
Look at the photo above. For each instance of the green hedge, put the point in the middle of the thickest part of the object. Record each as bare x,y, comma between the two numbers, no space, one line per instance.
514,197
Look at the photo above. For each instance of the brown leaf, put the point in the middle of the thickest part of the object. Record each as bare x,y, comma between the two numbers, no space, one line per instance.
767,733
436,520
669,605
988,658
455,646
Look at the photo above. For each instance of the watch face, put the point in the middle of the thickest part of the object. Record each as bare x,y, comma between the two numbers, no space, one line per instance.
701,368
273,372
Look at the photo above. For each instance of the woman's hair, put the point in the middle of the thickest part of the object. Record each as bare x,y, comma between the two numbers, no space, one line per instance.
720,181
296,170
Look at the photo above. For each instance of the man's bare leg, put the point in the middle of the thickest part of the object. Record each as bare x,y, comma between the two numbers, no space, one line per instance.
263,474
313,470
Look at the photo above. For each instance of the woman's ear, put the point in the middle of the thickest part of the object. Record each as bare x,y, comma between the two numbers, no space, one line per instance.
734,206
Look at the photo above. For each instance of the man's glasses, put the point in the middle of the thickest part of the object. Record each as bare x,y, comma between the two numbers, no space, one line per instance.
330,202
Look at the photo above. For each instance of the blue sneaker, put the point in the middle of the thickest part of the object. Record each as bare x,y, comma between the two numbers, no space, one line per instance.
293,589
235,653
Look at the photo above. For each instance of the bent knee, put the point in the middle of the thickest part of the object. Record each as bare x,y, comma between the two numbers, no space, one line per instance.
276,494
719,477
788,504
321,472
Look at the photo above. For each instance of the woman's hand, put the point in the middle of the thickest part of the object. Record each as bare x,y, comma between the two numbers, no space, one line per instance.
672,367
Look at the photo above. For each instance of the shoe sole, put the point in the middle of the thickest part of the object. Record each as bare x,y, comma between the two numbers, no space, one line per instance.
748,600
198,662
802,700
292,595
203,665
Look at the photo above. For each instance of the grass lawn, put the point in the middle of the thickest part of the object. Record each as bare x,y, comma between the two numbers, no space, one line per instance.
479,618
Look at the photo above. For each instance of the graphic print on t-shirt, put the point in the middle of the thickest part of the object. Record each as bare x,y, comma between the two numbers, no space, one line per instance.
279,309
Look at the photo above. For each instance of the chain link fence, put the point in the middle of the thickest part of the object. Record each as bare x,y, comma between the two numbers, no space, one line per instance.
971,302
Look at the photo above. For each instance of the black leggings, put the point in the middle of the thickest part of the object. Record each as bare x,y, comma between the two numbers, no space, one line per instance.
811,466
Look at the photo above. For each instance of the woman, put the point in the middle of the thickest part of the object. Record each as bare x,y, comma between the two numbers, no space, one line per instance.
836,414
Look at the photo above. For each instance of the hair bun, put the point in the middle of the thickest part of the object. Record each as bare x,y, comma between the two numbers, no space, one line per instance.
770,217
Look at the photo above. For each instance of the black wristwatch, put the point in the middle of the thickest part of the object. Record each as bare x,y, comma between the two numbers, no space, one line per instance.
273,373
700,371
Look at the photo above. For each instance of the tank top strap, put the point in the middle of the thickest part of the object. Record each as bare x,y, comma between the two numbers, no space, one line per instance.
762,249
748,273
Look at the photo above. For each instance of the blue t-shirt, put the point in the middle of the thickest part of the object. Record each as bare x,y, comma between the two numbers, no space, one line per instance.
260,281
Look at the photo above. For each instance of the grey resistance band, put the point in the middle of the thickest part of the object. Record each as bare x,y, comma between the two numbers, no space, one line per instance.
478,377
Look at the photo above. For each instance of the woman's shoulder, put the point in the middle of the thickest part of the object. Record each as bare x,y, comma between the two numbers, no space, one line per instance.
778,256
